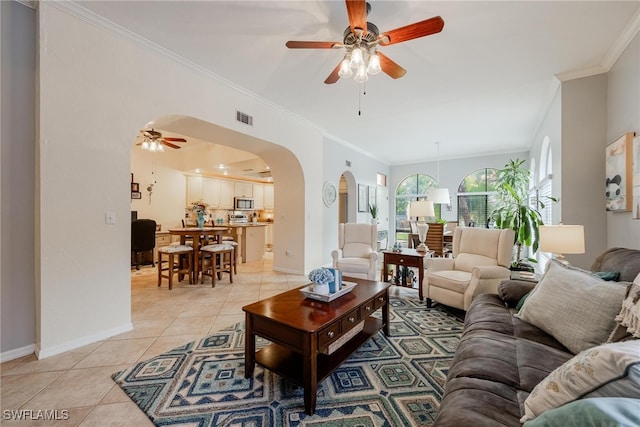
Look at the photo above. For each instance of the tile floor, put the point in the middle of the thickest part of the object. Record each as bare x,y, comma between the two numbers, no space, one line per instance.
79,381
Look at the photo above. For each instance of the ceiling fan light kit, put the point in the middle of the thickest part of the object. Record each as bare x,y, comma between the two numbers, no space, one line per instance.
361,40
153,141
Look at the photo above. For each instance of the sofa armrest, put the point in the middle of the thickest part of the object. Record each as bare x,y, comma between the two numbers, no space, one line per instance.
439,264
511,291
490,272
373,256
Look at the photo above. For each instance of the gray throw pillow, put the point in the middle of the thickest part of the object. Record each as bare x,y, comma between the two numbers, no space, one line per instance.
575,307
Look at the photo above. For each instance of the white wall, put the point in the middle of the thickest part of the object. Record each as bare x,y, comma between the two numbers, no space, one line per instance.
623,115
17,157
167,202
363,168
91,106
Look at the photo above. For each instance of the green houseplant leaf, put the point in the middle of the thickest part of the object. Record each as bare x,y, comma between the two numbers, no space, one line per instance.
513,210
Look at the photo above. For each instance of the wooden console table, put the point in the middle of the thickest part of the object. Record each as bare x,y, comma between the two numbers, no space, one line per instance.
306,335
405,258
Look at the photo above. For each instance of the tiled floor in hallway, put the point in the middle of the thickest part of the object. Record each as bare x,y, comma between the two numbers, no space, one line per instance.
79,381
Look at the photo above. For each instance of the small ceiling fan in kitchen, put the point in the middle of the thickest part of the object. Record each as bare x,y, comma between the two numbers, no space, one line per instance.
361,40
152,140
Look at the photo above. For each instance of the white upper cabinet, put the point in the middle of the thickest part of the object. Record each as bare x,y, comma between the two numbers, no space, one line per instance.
211,192
227,189
243,189
268,196
194,190
258,196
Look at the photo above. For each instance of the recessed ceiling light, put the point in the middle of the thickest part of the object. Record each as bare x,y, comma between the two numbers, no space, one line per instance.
197,170
220,166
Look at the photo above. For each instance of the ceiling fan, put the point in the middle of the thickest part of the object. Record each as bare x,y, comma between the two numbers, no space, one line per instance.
153,140
361,41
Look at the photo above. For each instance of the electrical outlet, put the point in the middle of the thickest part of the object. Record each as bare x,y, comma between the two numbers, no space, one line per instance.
287,252
110,217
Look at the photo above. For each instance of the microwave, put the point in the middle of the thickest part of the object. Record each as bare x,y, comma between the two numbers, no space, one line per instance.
242,204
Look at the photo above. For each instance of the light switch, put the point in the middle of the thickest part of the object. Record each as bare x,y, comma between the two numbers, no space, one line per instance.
110,217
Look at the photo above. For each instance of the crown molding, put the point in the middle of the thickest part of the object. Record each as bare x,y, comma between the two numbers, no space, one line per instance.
33,4
612,55
622,41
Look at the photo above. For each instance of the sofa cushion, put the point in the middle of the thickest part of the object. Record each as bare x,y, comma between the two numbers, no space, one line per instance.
595,412
354,265
585,373
454,280
575,307
623,260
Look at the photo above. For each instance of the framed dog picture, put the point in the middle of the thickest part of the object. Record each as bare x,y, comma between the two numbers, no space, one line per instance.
618,168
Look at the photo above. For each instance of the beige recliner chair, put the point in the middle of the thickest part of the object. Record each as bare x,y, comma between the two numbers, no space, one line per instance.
356,255
481,260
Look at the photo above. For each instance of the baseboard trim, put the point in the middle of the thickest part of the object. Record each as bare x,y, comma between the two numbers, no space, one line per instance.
42,353
17,353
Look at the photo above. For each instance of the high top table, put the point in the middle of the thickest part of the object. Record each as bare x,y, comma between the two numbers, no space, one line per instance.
310,338
198,234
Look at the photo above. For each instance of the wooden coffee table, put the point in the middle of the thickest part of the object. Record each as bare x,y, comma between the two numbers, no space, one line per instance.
309,338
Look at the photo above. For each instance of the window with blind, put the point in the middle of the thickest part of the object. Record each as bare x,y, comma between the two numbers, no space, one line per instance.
414,187
477,198
542,196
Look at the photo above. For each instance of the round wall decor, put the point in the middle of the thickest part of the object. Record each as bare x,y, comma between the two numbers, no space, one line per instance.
329,193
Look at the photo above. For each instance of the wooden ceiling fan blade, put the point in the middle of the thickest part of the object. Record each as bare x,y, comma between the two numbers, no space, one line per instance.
413,31
357,12
292,44
167,138
333,77
168,144
389,67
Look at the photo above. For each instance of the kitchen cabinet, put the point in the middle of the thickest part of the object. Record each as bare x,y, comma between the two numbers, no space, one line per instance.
258,196
243,189
227,189
194,189
211,192
268,196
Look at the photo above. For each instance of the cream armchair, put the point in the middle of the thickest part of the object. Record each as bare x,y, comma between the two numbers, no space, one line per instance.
481,259
356,255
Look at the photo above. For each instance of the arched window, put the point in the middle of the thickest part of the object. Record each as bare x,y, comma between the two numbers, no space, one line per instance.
477,198
542,193
413,187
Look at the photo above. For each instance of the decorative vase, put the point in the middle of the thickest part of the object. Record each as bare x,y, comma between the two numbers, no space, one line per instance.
321,288
200,220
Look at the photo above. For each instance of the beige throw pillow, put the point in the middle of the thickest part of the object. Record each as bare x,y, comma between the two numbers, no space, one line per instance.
575,307
585,373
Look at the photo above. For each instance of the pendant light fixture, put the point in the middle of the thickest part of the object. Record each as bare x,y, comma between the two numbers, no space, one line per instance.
439,195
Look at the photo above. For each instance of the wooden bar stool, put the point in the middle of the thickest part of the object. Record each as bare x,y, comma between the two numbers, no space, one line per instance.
216,259
175,255
234,256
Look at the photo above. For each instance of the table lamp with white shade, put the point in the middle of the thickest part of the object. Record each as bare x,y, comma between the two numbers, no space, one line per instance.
422,209
562,239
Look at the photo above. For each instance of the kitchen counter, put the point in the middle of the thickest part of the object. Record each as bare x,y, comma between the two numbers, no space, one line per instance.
250,238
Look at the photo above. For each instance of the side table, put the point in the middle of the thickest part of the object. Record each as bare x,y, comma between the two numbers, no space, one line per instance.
405,258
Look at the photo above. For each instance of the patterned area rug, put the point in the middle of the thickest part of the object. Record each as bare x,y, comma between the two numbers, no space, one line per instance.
389,381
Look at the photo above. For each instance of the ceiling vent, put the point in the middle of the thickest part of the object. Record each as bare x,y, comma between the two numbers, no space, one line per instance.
244,118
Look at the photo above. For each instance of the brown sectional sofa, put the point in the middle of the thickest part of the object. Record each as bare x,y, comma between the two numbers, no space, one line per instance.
500,358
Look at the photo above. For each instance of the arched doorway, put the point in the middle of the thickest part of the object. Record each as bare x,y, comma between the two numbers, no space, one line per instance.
282,164
347,198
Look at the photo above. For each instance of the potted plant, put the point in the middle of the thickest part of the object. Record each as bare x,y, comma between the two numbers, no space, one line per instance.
513,210
373,210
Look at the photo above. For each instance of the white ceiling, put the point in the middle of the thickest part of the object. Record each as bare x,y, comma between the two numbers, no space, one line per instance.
480,86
